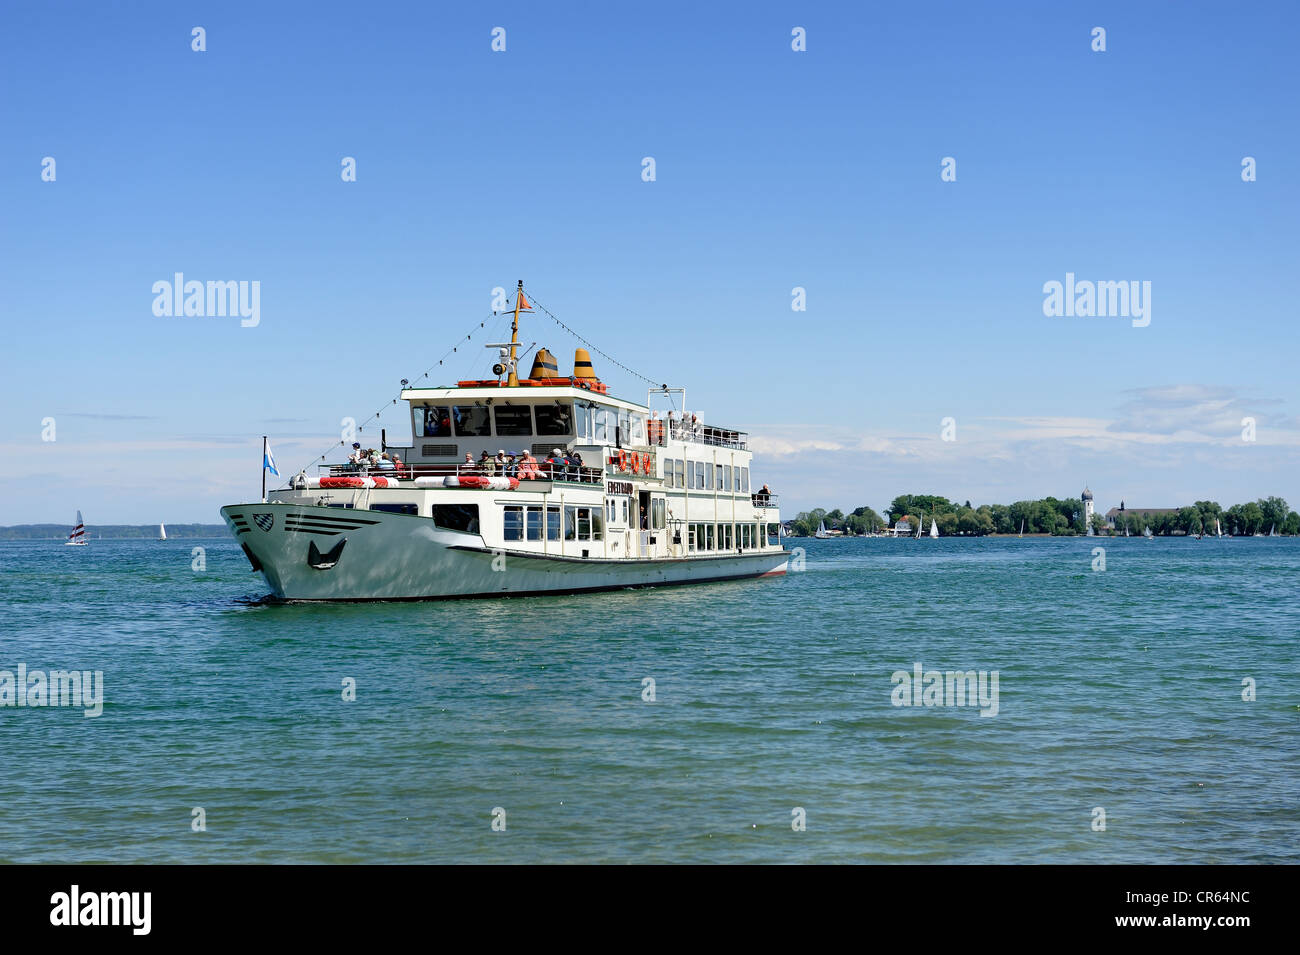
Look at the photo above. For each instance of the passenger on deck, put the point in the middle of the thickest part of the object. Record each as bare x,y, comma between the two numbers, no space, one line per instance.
500,460
468,463
576,460
695,426
386,463
512,466
355,458
645,526
555,463
486,464
527,466
764,495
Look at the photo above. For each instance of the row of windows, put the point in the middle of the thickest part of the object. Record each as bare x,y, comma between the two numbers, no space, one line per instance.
706,537
598,424
702,476
454,517
478,421
579,523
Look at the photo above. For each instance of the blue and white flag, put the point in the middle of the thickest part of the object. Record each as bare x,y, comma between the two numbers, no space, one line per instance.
268,461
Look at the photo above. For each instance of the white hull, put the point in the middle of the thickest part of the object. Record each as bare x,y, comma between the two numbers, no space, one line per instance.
387,556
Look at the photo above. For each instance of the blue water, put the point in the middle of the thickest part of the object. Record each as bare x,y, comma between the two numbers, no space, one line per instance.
1119,689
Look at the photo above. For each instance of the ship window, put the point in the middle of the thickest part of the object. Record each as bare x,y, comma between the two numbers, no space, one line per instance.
726,477
668,472
397,508
471,421
744,478
624,510
570,523
638,429
553,523
718,478
724,537
708,537
534,523
601,425
680,479
584,422
433,421
555,419
584,523
690,474
657,508
514,523
513,419
597,524
456,517
699,475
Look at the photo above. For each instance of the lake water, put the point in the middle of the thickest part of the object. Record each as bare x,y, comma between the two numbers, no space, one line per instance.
1118,690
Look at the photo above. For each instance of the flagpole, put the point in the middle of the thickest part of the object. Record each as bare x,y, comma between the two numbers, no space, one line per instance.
513,380
263,469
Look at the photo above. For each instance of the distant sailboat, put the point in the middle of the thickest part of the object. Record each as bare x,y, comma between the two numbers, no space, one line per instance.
1146,532
1272,531
1126,533
1218,528
919,524
1022,528
934,527
78,536
162,532
821,531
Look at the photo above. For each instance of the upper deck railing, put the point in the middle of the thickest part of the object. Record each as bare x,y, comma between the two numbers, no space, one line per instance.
544,472
764,500
660,432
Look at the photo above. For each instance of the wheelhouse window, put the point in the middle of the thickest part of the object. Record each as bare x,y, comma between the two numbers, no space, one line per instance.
397,508
513,419
638,429
433,421
534,528
583,412
555,419
471,421
601,425
456,517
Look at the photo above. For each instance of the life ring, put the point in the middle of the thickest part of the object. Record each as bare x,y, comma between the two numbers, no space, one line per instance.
385,482
622,460
328,482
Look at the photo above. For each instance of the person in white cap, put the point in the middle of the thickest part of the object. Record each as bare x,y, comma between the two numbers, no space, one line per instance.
501,460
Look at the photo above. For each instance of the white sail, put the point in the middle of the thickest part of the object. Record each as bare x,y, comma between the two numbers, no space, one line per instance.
162,532
1218,528
1146,532
920,521
78,536
1272,531
821,530
934,527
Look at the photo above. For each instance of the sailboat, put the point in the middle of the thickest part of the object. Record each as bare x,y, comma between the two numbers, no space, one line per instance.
1272,531
78,536
920,522
934,528
162,532
1146,532
1022,528
1218,528
821,531
1126,533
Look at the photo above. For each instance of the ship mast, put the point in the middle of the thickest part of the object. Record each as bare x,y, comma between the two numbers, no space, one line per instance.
513,380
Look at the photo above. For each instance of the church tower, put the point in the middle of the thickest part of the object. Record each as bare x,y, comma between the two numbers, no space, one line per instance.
1086,497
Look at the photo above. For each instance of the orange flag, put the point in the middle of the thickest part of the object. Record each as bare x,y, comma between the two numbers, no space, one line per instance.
523,303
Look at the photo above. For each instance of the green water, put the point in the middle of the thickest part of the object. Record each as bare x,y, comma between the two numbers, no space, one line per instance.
1119,689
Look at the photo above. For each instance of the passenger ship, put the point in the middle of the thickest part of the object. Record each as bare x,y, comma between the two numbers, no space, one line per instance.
655,501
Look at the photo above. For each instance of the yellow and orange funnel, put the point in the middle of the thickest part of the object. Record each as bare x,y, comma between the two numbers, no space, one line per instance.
544,365
582,365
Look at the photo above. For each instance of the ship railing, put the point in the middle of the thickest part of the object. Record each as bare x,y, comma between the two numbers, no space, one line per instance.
659,432
764,500
558,473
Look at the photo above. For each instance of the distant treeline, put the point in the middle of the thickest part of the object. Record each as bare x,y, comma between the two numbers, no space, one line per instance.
1060,517
24,532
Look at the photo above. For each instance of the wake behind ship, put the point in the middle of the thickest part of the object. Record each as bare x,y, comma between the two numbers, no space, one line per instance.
589,492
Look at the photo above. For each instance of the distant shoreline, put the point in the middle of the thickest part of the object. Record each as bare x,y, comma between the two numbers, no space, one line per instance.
58,532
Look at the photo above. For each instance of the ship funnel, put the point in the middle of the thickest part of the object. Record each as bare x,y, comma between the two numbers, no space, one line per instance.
544,365
582,365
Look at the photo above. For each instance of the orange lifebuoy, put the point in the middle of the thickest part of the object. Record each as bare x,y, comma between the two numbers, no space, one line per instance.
622,460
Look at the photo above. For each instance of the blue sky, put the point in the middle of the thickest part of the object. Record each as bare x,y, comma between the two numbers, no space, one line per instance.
774,169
